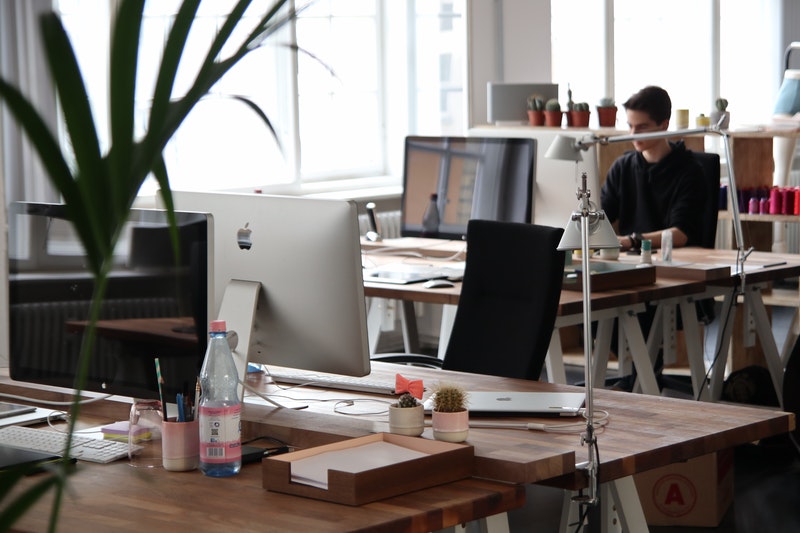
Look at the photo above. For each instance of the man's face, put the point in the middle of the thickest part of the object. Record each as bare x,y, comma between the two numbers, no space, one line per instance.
640,122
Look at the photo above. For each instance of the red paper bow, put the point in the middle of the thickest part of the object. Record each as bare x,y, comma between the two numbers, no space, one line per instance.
412,386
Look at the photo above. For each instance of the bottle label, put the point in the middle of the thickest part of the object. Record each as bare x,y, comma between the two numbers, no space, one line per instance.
220,434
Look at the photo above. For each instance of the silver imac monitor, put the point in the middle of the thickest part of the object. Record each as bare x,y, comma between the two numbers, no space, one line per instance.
304,257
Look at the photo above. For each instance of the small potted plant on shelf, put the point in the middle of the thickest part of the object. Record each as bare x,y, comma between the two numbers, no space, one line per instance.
552,113
721,113
580,115
407,416
450,416
536,110
607,112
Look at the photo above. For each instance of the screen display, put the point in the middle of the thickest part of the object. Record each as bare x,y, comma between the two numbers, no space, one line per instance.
461,178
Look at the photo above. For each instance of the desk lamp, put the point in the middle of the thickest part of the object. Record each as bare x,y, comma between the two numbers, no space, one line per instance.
588,228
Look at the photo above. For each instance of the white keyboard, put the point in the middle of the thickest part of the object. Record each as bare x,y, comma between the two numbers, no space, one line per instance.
333,381
50,441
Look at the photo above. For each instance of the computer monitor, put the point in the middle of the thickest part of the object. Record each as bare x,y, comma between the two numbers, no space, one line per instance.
489,178
304,258
154,306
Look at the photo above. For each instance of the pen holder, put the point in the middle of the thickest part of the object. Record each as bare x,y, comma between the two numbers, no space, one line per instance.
180,445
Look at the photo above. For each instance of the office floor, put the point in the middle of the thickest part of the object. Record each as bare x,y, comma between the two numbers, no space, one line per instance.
766,479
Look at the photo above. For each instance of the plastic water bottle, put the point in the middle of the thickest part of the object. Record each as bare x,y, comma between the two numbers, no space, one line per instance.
220,409
430,219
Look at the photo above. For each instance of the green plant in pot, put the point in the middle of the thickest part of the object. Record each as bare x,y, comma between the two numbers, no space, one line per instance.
580,115
99,188
450,414
407,416
721,113
535,110
552,113
607,112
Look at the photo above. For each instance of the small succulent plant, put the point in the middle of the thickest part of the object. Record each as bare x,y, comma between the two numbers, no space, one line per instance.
721,104
581,106
535,102
407,400
552,105
606,101
449,398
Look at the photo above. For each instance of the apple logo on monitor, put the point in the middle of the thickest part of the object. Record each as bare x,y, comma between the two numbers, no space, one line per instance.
244,237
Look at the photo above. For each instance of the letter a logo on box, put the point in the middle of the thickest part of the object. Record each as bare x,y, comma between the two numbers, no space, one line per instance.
674,495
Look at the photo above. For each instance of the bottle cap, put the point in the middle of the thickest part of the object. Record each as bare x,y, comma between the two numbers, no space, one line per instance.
218,326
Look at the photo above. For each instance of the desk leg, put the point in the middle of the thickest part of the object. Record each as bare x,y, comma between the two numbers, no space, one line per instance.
694,348
727,318
620,509
409,324
602,351
755,305
377,307
641,358
554,361
446,327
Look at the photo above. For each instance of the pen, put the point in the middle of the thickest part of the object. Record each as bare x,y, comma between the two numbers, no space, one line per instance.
181,412
160,381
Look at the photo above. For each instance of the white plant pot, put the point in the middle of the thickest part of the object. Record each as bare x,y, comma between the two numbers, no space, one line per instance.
450,427
407,420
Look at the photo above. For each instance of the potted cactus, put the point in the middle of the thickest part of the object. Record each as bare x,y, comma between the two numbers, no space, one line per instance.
580,115
552,113
721,113
607,112
450,416
536,110
406,416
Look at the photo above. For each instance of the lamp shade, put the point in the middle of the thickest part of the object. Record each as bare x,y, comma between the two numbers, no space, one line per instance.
565,149
789,94
601,234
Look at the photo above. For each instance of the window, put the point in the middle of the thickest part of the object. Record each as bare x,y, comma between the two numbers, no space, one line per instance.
696,50
340,110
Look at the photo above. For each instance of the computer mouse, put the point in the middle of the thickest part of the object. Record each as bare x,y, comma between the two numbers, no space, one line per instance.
438,284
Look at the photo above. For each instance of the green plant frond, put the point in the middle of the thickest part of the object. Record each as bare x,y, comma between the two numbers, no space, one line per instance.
170,60
23,502
160,172
224,33
122,78
261,114
269,24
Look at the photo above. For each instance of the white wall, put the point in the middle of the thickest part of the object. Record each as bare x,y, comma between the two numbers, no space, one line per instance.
509,41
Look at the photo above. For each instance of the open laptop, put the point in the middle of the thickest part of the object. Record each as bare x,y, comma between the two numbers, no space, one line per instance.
533,404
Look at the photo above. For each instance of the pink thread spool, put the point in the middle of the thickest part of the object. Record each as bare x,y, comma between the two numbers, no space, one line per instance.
775,201
752,206
788,200
763,206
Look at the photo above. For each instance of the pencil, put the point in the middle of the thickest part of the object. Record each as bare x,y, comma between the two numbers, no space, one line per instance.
160,389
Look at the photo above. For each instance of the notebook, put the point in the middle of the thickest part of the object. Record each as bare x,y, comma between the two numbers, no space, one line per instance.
516,403
404,273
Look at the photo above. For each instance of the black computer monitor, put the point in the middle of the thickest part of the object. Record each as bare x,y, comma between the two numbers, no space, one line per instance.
50,289
489,178
304,257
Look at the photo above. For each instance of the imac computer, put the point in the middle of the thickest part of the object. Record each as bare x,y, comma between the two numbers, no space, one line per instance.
489,178
155,306
288,279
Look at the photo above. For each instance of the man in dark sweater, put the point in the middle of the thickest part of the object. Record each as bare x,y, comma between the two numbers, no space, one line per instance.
657,186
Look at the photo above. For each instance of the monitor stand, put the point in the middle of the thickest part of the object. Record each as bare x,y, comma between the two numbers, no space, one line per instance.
238,310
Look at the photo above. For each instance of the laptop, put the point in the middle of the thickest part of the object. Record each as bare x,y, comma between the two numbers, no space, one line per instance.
37,415
533,404
405,273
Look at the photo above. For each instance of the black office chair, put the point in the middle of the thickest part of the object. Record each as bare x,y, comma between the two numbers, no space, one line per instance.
508,303
711,171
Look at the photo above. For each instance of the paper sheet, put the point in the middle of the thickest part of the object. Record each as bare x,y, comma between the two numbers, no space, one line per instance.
313,470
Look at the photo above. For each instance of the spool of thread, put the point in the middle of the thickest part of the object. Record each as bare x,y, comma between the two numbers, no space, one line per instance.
788,200
763,206
753,206
723,197
775,201
647,254
796,210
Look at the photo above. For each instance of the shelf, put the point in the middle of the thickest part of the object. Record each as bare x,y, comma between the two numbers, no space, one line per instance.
747,217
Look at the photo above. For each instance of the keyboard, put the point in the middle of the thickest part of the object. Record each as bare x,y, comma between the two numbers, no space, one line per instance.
53,442
333,381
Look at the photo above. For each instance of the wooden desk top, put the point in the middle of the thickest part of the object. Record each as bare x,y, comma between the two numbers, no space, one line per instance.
117,497
643,432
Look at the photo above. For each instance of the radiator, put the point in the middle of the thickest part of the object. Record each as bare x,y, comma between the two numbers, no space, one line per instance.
389,222
39,339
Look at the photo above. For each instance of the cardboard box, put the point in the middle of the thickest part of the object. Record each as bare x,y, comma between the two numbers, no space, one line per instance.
441,462
695,493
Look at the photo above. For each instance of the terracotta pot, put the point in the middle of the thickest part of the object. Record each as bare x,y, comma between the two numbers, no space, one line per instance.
580,119
553,118
536,118
407,420
450,427
607,116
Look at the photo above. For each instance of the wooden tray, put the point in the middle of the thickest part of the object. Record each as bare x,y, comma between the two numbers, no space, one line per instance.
444,462
608,275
